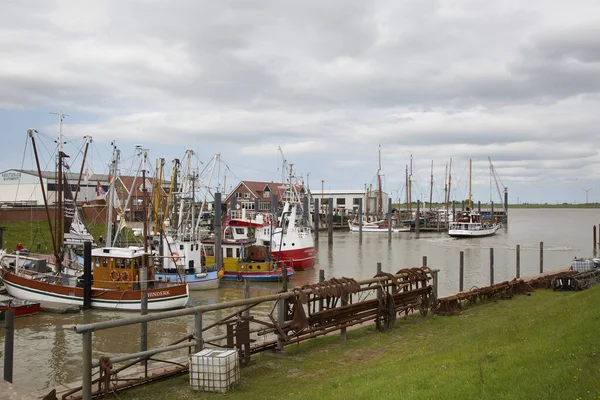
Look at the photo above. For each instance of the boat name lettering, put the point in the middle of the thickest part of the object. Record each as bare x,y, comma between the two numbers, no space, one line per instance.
11,176
159,294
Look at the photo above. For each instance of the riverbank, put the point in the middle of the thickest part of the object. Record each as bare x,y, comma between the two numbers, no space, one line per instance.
542,346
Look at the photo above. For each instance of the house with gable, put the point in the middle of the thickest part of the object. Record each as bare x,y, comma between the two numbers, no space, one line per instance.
247,194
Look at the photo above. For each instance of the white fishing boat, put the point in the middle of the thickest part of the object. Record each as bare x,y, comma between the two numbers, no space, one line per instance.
378,226
471,224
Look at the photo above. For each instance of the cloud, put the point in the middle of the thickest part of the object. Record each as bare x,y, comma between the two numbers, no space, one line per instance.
326,81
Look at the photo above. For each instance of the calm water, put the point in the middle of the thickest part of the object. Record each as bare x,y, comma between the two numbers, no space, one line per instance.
48,352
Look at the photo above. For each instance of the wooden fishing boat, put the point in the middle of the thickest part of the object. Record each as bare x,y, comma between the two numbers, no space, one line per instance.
244,259
21,308
115,285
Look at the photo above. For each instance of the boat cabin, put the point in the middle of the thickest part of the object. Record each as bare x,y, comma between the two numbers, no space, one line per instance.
118,268
240,255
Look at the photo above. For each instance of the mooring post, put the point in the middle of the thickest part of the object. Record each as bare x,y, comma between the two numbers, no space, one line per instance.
463,206
453,211
491,266
435,284
217,229
479,207
493,218
541,257
360,218
330,220
424,261
9,344
198,331
379,292
86,379
143,277
418,218
87,275
280,321
321,279
305,211
246,295
284,277
316,217
389,220
461,274
518,261
595,241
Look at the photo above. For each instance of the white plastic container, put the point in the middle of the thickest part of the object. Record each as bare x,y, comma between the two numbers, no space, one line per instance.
214,370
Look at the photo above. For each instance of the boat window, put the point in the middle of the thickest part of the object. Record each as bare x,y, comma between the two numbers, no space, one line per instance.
229,252
209,250
237,253
180,247
239,231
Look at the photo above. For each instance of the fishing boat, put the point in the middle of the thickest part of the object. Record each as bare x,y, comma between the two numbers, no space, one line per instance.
180,254
116,283
470,224
288,235
116,271
20,308
246,259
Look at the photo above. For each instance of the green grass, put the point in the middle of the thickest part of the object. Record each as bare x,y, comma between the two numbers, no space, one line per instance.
543,346
30,233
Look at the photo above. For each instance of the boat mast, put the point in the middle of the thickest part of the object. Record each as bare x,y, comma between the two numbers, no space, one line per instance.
410,185
88,140
431,187
145,210
470,184
30,132
112,177
449,183
59,193
379,195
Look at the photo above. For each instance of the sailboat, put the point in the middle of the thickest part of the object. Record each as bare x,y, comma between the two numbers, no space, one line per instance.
116,271
380,224
470,223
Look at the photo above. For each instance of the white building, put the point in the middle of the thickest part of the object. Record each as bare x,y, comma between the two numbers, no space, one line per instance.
22,187
347,201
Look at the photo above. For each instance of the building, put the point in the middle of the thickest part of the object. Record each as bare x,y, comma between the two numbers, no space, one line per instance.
347,201
248,194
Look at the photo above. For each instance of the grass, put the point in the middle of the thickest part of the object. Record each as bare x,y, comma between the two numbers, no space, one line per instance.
543,346
30,233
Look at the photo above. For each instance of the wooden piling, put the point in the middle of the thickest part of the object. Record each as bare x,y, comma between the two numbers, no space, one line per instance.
9,344
87,275
595,241
424,261
461,273
360,219
491,266
321,279
518,261
143,277
198,331
316,217
541,257
330,220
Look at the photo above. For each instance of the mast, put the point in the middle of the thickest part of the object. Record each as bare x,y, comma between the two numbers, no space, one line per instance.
379,195
406,187
88,140
470,184
410,186
30,132
59,214
112,177
145,203
449,183
431,187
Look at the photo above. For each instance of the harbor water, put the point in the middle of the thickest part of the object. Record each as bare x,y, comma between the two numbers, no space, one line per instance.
48,352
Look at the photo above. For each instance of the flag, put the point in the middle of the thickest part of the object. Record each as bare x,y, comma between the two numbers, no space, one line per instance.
100,190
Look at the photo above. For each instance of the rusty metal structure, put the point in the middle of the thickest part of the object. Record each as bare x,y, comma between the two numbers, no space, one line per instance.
300,314
576,280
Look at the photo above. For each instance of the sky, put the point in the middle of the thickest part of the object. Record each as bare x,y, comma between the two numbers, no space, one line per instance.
327,82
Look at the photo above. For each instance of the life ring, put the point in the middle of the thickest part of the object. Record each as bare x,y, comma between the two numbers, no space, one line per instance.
125,276
239,277
114,275
175,256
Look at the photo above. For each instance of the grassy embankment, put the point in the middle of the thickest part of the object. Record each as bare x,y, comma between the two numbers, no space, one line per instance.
30,233
543,346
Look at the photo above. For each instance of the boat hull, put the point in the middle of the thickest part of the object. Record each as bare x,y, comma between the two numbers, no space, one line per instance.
164,298
21,308
207,282
366,228
298,259
470,233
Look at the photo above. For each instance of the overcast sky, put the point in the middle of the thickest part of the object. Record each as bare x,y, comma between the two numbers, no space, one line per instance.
328,81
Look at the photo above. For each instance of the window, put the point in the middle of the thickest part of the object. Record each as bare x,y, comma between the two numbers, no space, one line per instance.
356,201
340,202
267,195
210,251
229,252
238,195
246,195
239,231
180,247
